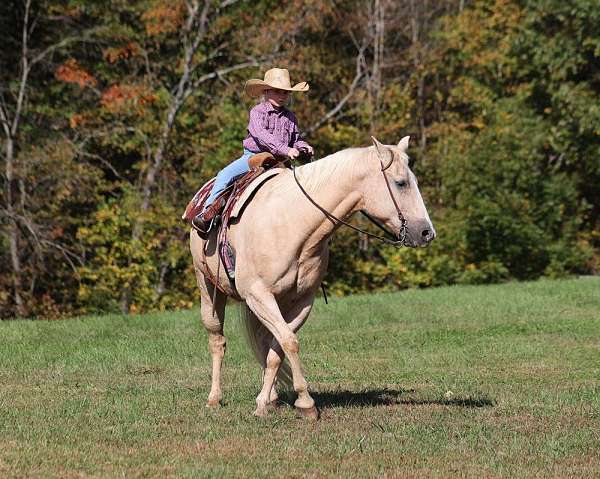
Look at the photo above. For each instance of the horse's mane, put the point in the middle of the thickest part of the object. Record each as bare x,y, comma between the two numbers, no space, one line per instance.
318,174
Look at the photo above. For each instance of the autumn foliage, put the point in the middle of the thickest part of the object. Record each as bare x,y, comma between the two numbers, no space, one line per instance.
164,17
501,99
72,72
119,97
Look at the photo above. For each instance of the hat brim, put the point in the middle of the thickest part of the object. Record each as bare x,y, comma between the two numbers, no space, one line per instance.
256,87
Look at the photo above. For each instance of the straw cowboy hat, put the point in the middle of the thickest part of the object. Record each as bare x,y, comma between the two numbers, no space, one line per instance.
278,78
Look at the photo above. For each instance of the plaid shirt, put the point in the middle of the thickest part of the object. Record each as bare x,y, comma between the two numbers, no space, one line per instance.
272,129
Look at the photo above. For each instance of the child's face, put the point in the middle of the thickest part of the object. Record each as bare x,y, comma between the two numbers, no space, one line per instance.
277,98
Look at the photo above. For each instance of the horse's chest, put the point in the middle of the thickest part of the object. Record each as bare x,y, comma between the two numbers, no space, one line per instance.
310,273
299,278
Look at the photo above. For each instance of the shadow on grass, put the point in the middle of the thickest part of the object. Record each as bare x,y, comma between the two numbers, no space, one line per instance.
387,397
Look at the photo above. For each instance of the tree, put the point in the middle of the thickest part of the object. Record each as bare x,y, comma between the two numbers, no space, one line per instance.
33,42
156,74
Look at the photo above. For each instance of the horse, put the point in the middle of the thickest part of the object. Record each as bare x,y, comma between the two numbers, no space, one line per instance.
281,244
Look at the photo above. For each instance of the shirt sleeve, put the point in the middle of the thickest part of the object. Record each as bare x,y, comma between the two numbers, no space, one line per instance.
265,140
298,142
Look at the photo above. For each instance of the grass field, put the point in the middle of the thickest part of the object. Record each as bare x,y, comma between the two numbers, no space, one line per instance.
494,381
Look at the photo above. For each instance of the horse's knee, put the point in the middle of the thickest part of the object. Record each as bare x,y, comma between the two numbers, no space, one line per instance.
290,344
212,323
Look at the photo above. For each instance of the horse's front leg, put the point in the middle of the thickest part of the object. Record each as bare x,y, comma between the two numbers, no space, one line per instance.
295,317
261,301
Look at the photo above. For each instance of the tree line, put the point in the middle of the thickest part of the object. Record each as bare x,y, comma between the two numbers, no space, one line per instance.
113,114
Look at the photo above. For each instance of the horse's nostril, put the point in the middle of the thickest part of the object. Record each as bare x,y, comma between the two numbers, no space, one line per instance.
425,233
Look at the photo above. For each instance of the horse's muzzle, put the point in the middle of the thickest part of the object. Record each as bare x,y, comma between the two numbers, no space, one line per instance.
420,235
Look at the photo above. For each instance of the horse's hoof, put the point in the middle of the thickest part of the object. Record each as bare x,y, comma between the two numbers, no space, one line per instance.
213,403
310,413
261,412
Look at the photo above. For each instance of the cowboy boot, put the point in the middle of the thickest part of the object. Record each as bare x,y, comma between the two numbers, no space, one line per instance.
204,221
201,225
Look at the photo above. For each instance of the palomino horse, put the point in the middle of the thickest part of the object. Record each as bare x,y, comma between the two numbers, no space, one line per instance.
282,249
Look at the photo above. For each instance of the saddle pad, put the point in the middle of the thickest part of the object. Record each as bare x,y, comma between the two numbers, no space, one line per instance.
252,187
195,205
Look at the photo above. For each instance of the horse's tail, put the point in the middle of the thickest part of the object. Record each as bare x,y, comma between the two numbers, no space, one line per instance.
259,339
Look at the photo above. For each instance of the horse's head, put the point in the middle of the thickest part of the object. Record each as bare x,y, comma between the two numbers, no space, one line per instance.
384,204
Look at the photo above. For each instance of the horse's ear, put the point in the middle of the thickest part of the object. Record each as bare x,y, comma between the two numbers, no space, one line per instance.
384,153
403,143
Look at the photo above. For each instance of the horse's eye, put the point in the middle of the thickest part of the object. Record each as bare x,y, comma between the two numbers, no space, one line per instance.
401,183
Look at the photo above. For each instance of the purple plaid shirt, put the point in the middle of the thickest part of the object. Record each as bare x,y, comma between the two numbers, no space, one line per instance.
272,129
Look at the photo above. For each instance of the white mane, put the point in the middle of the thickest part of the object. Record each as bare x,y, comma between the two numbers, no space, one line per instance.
322,173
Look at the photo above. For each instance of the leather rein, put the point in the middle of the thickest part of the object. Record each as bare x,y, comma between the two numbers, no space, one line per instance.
394,242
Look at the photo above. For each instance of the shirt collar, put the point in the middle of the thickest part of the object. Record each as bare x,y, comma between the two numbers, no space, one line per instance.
269,108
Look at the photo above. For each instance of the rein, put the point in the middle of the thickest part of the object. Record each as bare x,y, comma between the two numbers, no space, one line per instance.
401,238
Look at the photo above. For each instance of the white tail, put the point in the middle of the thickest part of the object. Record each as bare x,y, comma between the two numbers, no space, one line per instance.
259,339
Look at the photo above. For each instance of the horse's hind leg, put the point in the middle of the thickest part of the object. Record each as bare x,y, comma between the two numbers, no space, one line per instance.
263,304
295,318
268,394
213,319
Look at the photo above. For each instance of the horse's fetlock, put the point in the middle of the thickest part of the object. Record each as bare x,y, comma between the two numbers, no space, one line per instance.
301,386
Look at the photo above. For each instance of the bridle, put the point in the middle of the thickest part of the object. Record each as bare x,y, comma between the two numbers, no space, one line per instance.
400,239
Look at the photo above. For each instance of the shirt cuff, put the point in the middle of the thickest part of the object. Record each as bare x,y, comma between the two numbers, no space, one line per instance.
301,144
284,150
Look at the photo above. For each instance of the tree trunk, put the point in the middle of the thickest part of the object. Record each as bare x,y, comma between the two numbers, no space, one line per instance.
378,59
13,230
418,28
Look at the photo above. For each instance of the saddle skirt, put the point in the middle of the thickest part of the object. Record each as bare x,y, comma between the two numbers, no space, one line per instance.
246,195
197,203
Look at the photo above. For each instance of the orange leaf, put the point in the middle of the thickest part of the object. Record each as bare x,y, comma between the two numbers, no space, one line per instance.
72,72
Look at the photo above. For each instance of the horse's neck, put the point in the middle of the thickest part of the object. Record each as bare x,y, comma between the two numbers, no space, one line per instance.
333,177
333,184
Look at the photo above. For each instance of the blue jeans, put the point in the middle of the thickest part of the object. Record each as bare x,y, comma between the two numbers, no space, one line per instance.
228,174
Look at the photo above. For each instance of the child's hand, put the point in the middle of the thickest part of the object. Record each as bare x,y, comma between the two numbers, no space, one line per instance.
306,153
293,153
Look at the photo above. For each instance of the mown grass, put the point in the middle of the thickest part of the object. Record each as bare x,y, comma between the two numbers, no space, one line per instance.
495,381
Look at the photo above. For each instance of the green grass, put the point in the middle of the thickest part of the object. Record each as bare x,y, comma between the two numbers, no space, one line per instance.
494,381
